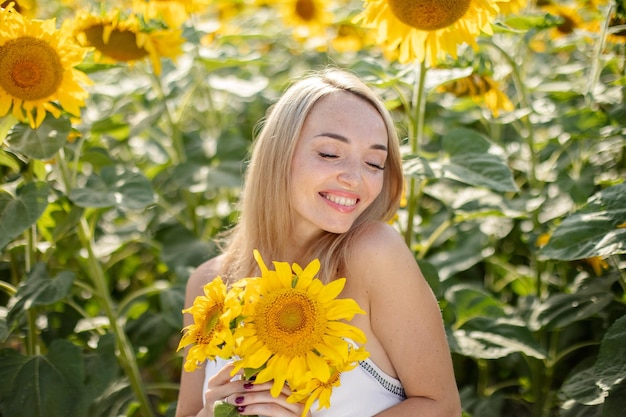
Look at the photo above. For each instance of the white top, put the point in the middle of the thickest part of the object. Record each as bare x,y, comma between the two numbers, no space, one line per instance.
364,391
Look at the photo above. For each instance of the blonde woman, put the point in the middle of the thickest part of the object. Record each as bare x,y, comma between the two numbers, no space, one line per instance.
324,178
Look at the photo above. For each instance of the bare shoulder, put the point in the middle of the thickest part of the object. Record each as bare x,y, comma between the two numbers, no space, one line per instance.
202,275
379,244
384,264
375,233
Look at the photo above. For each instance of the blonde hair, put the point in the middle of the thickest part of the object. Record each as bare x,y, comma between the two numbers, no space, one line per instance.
265,215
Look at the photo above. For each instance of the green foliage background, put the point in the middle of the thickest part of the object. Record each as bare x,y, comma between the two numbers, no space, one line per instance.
102,221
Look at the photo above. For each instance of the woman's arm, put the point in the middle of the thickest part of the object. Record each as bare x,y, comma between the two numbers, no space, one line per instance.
406,321
190,393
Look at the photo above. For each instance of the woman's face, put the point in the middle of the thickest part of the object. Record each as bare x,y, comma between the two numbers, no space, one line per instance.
337,166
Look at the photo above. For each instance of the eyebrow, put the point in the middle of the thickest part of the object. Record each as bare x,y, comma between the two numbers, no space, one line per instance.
341,138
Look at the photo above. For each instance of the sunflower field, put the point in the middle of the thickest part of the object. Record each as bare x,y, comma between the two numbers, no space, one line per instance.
125,128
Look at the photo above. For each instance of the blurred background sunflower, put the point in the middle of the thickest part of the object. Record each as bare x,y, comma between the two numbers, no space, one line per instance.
117,37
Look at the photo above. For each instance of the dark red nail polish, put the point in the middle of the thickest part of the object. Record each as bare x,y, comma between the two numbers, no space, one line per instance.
248,385
239,400
241,409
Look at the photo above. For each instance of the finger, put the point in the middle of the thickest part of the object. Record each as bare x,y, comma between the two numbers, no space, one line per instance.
268,409
221,385
222,376
263,403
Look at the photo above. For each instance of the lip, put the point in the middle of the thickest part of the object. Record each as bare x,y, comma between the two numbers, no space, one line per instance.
342,201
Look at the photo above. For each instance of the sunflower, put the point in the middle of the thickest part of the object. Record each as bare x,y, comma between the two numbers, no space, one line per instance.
481,89
295,329
350,37
306,17
173,12
428,29
37,73
321,390
26,8
512,6
126,39
569,15
597,264
210,333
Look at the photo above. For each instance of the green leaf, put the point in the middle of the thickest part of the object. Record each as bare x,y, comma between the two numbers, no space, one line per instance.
470,246
223,409
40,143
475,161
182,250
4,328
19,212
49,386
115,187
431,276
438,76
416,166
469,302
574,409
6,123
526,22
610,367
101,368
597,229
40,290
11,361
585,122
172,301
615,404
8,160
488,338
561,310
582,388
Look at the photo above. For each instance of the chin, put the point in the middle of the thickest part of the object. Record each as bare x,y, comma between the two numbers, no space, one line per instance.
337,229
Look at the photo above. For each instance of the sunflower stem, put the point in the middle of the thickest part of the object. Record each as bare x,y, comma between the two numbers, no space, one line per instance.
95,272
416,132
527,132
433,237
595,59
126,354
32,341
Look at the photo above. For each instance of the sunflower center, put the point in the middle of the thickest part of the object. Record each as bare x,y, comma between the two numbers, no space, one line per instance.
209,325
16,7
30,69
122,45
429,14
289,322
305,9
567,26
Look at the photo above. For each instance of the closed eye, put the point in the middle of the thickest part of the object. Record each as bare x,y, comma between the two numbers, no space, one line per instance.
376,166
327,155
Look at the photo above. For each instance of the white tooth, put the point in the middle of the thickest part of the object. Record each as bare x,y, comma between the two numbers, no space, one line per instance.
342,200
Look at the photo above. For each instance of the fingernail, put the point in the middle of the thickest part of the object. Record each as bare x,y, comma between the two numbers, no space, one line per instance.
248,385
241,409
239,400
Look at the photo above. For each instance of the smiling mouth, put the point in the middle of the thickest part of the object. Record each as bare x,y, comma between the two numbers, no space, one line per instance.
342,201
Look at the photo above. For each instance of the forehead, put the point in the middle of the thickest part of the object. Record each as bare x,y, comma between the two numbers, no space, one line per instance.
346,112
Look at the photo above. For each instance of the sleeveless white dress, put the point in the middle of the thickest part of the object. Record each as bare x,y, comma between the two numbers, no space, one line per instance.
364,391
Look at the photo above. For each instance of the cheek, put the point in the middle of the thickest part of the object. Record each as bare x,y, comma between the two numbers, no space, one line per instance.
376,187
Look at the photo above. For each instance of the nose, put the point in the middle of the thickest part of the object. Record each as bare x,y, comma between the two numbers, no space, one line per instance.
349,173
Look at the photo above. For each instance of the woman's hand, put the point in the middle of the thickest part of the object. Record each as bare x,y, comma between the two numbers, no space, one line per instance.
249,398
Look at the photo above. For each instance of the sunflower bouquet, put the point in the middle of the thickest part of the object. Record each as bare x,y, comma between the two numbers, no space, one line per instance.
285,326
